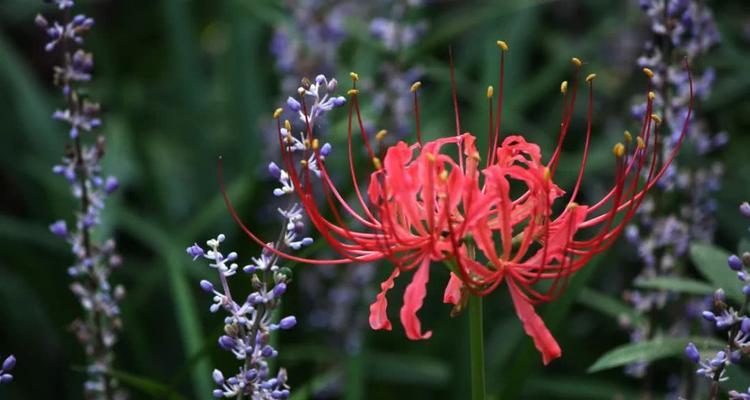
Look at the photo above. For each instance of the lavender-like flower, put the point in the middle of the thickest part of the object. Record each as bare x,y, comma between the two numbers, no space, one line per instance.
248,324
681,29
5,369
737,325
100,324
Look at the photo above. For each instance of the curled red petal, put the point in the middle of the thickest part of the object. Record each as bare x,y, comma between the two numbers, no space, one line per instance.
534,327
378,309
453,290
413,298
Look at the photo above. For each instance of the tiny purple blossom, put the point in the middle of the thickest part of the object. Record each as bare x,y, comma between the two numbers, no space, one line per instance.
692,353
59,228
195,251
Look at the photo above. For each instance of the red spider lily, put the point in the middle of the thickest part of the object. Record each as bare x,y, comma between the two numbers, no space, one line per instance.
490,224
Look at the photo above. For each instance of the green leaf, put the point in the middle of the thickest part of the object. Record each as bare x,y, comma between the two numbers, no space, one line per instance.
402,368
609,306
652,350
146,385
711,261
675,284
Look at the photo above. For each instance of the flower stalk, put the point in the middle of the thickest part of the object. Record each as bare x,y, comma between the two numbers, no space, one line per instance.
476,349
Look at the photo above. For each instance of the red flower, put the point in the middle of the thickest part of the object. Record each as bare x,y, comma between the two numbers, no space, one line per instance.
490,223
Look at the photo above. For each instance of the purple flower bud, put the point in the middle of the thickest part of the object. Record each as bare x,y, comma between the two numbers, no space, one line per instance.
267,352
59,228
719,359
719,295
746,290
320,79
325,150
226,342
709,316
745,209
78,19
195,251
111,185
745,326
734,262
249,269
742,276
339,101
9,363
332,85
288,322
218,393
274,170
6,378
293,104
218,377
207,286
692,353
279,289
40,21
251,374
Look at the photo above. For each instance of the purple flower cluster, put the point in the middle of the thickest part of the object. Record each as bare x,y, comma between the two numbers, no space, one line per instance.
98,328
248,324
736,324
6,368
681,29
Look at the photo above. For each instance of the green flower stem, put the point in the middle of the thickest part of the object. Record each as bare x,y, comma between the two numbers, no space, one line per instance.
476,348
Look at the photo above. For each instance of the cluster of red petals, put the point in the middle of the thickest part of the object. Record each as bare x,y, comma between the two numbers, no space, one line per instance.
493,220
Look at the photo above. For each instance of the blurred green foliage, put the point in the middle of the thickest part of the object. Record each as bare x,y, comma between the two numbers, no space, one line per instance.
183,82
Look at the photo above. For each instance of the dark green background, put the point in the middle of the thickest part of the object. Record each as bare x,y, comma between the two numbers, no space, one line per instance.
182,82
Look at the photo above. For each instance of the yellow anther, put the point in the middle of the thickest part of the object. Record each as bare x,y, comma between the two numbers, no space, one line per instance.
618,150
303,163
640,143
475,156
288,126
301,90
502,45
381,134
572,205
547,174
628,137
590,78
353,92
354,75
490,91
277,113
377,164
564,87
576,61
415,86
656,118
443,175
651,95
430,157
315,144
649,73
